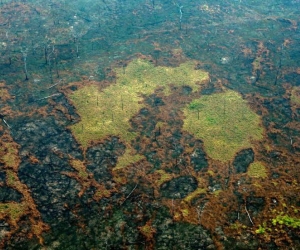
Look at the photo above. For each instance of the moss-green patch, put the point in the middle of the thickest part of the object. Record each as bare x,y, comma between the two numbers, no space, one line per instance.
261,229
257,170
13,210
11,179
80,167
195,194
161,176
108,112
148,231
224,122
236,226
295,95
127,159
287,221
160,125
100,193
217,192
185,212
9,154
211,173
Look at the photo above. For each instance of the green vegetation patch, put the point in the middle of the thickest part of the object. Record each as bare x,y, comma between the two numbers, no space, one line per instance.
195,194
224,122
287,221
80,167
257,170
295,95
9,154
128,158
13,210
261,229
108,112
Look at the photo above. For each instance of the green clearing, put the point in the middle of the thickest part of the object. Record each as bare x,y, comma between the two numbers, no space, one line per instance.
257,170
108,112
224,122
295,96
13,210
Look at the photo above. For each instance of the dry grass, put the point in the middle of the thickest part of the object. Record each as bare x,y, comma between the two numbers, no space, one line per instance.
224,122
